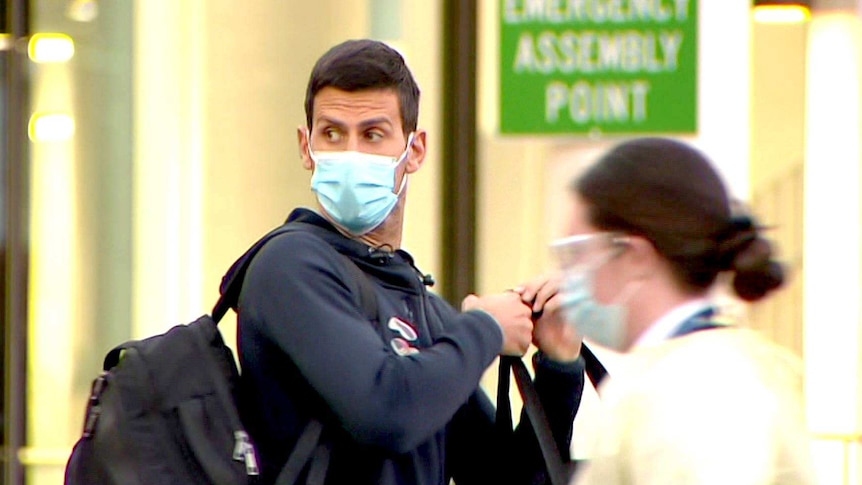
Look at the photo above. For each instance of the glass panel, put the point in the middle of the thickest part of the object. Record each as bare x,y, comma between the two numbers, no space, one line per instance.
160,150
80,227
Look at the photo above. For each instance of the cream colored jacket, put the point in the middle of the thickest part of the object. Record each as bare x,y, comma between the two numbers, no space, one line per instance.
718,407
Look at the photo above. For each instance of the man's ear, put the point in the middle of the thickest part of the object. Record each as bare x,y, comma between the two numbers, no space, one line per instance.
416,155
304,154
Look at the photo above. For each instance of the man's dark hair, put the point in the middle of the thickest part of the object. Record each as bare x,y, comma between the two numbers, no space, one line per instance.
668,192
357,65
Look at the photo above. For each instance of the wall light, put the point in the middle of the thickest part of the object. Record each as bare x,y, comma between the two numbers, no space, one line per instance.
782,11
82,10
47,127
50,47
6,42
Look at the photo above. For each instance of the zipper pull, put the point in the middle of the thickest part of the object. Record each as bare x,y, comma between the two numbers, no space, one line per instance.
244,451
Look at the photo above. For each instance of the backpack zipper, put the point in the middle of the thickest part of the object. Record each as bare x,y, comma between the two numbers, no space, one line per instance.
244,451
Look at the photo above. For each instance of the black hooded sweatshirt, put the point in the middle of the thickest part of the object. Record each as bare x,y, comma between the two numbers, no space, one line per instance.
400,397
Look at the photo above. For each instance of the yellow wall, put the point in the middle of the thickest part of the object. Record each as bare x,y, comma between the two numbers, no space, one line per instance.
832,281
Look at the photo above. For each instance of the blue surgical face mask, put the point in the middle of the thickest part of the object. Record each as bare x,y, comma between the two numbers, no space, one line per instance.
600,323
581,256
357,189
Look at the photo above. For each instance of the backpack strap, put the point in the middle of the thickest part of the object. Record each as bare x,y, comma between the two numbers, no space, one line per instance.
309,449
302,453
231,283
367,295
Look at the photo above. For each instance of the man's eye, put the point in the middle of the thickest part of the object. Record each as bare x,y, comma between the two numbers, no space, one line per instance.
332,135
374,136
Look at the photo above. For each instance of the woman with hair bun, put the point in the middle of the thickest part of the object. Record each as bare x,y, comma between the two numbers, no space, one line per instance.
695,402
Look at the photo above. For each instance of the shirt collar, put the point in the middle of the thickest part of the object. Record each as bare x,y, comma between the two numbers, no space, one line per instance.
664,327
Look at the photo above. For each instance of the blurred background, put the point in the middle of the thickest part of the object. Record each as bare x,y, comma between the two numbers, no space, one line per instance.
148,143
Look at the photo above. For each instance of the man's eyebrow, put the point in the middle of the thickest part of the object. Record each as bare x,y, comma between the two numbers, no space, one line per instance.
380,120
364,124
330,121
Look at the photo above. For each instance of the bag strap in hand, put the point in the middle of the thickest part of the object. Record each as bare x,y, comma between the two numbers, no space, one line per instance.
557,470
533,407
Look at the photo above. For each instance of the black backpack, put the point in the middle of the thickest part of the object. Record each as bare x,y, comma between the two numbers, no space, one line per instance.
164,411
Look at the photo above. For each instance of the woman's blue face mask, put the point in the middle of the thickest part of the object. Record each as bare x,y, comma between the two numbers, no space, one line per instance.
580,257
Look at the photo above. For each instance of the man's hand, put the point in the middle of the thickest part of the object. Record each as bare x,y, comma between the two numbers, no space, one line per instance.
512,315
551,334
539,291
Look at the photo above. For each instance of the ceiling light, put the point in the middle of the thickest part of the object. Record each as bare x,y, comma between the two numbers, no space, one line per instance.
782,11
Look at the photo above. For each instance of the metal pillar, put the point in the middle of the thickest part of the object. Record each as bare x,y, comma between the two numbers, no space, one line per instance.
17,240
459,149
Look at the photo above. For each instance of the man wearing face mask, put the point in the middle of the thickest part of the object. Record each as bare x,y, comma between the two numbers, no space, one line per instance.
398,396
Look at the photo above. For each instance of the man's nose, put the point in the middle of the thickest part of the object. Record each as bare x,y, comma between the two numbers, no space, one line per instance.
352,144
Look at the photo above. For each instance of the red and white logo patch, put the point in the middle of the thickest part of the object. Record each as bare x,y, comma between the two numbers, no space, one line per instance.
401,345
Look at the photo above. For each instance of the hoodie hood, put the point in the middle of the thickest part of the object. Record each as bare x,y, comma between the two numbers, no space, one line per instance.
392,269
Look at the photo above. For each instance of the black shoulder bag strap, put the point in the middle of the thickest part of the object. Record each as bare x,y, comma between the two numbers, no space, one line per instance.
557,470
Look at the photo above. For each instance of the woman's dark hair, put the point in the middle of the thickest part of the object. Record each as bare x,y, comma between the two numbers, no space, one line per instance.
668,192
357,65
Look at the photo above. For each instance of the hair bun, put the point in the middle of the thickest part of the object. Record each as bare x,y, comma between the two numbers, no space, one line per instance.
742,223
756,272
749,256
740,233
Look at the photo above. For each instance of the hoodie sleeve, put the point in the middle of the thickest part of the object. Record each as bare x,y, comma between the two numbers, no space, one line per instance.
296,295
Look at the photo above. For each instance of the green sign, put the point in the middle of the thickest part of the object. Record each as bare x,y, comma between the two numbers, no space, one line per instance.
598,66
